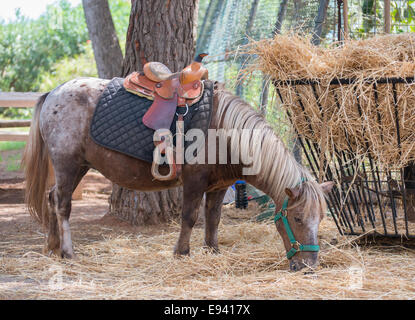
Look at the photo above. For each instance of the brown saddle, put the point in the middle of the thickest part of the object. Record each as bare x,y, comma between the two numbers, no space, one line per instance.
169,91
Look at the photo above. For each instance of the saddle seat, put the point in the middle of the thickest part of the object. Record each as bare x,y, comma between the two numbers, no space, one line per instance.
157,72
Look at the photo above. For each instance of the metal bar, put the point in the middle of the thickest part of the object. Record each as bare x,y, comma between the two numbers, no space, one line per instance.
310,149
339,157
344,162
377,179
381,235
389,176
398,134
329,174
308,158
375,92
355,203
342,173
369,208
344,81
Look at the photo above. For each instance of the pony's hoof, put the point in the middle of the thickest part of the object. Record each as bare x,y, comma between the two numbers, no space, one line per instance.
180,253
212,250
53,252
68,255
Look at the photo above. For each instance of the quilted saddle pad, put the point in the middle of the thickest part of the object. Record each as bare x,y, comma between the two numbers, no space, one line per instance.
117,120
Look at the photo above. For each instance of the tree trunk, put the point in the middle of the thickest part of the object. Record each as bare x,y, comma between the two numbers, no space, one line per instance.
163,31
387,16
107,51
320,18
160,30
346,20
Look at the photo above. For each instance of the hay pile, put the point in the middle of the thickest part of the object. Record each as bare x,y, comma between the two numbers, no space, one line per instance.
347,117
115,264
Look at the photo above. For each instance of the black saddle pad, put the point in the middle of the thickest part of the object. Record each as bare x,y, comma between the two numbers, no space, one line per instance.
117,120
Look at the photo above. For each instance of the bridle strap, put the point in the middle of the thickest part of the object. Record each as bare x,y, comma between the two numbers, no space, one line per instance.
294,243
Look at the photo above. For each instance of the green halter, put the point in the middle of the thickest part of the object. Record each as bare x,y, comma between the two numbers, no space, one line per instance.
295,245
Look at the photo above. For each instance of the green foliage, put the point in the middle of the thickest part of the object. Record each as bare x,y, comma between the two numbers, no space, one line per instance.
16,113
29,47
403,15
120,12
13,162
11,145
68,68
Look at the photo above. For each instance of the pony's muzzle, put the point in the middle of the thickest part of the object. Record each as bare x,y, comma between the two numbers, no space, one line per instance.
304,260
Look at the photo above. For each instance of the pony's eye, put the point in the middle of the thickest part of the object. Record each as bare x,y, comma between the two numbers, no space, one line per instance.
298,220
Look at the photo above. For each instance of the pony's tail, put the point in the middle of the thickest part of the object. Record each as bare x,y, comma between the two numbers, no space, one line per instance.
36,168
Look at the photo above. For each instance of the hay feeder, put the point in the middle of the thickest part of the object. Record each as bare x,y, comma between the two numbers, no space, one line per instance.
366,149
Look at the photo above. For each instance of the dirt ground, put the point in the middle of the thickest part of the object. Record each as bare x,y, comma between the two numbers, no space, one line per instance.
118,261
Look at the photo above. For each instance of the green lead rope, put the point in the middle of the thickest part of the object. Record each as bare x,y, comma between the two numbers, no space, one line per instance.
300,247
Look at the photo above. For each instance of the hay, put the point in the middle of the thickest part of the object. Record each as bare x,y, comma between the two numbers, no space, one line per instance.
116,264
346,117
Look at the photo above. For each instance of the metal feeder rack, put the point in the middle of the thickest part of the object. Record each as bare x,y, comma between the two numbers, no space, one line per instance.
366,199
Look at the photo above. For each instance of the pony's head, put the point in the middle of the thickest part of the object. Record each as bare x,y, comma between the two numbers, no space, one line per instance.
280,176
298,221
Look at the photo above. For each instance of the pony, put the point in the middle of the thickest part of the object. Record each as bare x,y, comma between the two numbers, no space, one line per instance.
59,137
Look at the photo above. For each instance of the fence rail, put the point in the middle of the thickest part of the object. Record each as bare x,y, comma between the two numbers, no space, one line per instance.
19,99
16,100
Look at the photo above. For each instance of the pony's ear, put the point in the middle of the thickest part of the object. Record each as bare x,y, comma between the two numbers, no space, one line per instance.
292,193
327,186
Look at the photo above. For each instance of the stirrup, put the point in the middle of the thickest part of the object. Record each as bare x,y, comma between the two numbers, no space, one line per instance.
172,167
168,151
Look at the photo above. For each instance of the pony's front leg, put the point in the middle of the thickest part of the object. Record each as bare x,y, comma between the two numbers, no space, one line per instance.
213,210
192,197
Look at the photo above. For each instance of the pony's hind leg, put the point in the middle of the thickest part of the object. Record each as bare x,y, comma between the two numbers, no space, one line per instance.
53,240
213,209
67,179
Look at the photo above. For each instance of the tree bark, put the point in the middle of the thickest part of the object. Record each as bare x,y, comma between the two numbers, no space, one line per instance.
107,51
387,16
346,19
159,30
320,18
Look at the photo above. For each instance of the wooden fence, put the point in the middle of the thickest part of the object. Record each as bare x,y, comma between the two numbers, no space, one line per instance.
23,100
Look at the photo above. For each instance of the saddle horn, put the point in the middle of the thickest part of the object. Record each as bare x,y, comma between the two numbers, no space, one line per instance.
194,71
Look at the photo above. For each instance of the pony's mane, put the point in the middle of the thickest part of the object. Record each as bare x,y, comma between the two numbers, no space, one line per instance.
279,169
